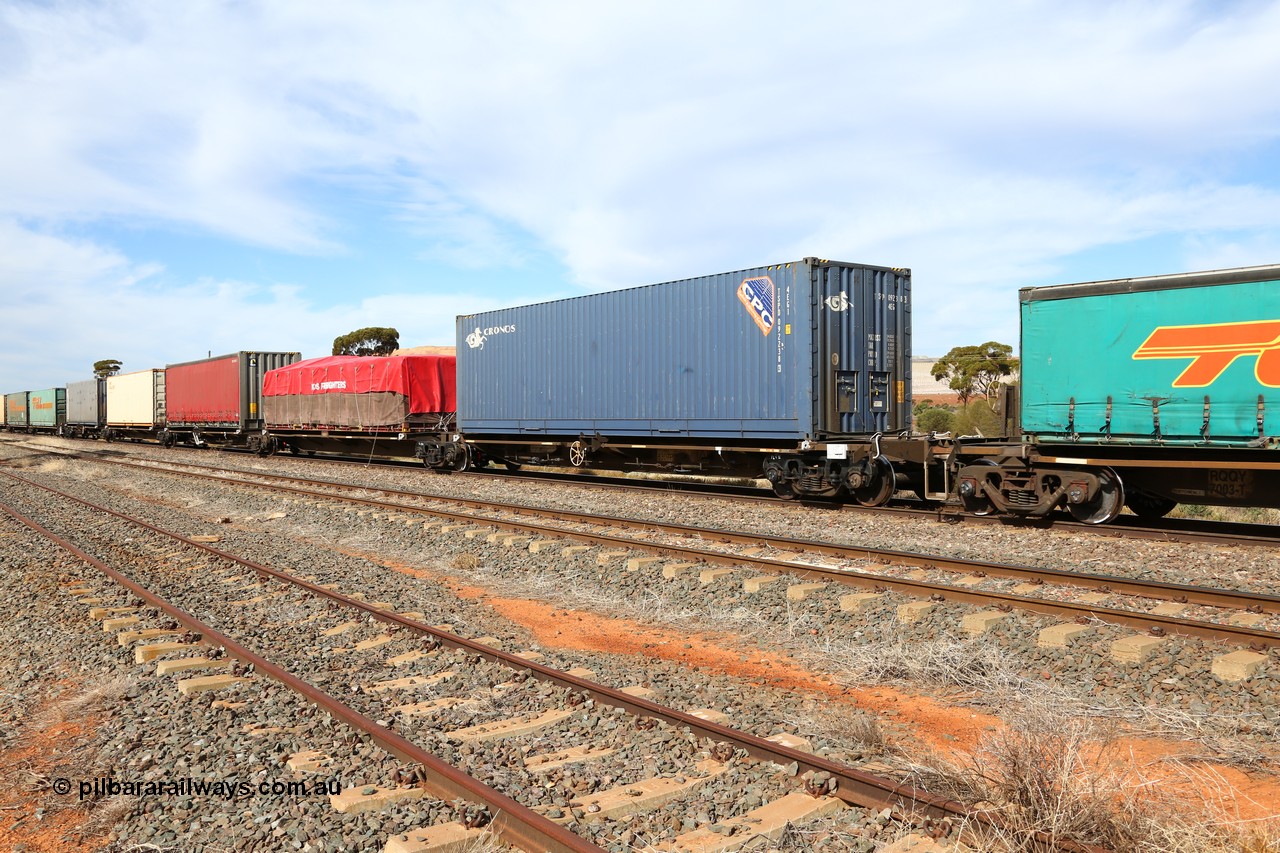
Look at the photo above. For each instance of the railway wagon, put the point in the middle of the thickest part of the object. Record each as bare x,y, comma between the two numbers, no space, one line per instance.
16,411
135,405
218,400
374,404
784,372
1147,392
48,410
86,408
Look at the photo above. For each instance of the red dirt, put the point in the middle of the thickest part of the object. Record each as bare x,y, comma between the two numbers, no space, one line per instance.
953,731
37,754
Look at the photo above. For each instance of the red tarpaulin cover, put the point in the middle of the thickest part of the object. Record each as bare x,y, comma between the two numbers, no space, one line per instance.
428,381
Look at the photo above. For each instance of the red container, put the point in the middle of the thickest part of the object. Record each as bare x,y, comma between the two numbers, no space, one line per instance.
360,392
223,392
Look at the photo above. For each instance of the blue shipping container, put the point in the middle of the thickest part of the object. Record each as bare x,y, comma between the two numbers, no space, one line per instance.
805,350
1191,358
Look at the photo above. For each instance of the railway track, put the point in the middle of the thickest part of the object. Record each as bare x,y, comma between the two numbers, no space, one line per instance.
175,577
1125,526
1173,530
1153,607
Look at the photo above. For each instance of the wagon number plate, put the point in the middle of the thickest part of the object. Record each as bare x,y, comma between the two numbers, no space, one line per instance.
1235,485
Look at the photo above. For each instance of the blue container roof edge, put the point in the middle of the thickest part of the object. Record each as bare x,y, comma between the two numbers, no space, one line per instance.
810,261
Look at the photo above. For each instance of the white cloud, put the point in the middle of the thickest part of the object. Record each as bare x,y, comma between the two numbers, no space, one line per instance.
980,144
103,306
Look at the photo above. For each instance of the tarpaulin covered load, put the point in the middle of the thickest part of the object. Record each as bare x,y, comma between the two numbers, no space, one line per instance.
359,392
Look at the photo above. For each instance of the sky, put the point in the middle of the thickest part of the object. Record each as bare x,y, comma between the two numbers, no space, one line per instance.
179,179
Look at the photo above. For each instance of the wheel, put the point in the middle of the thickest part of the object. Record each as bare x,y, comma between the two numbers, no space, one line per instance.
1149,507
462,459
880,489
979,504
577,454
784,490
1106,505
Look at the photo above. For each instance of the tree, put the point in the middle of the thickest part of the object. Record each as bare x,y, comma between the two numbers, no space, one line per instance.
978,418
374,340
106,367
931,418
974,370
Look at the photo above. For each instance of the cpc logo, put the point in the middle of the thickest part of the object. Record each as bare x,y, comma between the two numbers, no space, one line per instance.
758,295
1213,346
476,340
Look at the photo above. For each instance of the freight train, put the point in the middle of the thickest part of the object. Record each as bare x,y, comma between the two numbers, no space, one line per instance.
1143,392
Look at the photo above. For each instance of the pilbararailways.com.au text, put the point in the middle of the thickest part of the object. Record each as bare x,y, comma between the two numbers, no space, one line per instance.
227,789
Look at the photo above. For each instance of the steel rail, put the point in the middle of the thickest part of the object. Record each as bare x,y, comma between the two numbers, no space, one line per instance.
1124,527
1181,593
516,824
853,786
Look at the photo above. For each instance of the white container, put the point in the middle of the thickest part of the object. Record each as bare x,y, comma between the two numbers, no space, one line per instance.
136,400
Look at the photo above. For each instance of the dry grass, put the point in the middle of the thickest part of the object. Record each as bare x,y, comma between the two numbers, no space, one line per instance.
858,728
1234,514
107,814
1232,739
77,705
1063,776
970,665
484,844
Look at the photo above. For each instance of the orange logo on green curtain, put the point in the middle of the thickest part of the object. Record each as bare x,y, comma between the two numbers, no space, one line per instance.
1212,348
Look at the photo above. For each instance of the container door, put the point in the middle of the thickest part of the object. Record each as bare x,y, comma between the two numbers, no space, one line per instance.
858,334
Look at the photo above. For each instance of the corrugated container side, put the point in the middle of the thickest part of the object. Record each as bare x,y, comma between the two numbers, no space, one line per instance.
136,399
16,410
764,353
48,407
862,373
1179,359
87,402
223,392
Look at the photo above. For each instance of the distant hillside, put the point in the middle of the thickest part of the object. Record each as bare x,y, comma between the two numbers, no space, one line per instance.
426,351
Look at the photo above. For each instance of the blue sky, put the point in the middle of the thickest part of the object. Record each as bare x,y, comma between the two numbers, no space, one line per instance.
180,178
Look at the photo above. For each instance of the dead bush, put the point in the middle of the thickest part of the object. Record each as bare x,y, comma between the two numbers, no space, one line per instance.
1063,776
